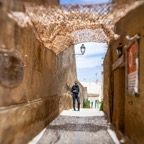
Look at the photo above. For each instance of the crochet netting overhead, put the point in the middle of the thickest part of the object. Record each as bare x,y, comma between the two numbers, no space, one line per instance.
60,26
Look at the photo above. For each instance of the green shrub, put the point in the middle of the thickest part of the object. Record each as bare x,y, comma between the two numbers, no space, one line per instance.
101,106
86,104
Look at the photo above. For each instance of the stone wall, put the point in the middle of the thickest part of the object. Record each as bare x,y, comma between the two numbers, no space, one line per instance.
107,83
127,111
132,24
66,75
29,102
67,67
17,4
118,100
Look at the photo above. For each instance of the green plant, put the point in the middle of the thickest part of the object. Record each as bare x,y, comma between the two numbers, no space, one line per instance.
101,106
86,104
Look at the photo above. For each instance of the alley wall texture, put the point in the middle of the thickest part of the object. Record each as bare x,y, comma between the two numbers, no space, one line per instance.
107,86
33,81
127,111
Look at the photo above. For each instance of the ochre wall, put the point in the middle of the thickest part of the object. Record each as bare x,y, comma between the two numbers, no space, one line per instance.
118,88
118,98
107,84
133,23
128,108
66,75
28,108
67,66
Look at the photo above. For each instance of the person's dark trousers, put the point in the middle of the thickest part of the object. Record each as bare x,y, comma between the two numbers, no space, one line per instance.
75,97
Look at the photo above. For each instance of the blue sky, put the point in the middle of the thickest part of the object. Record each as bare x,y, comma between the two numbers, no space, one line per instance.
83,1
89,65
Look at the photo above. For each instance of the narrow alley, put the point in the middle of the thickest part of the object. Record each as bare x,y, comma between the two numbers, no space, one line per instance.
39,82
87,126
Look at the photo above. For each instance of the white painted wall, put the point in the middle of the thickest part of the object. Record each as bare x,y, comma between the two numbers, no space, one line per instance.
92,87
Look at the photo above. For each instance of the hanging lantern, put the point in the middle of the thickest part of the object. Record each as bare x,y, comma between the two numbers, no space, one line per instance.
119,50
82,48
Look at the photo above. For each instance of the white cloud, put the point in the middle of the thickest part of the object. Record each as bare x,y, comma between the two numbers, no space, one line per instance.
93,55
83,62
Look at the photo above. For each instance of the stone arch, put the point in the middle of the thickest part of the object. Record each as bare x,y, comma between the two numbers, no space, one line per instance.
88,35
57,27
62,42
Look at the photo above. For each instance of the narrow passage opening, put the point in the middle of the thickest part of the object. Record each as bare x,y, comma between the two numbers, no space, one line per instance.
90,72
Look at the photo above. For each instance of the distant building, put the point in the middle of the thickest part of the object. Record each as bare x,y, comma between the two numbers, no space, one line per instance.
94,93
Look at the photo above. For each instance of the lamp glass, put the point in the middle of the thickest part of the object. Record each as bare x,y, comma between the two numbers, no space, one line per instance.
119,50
82,48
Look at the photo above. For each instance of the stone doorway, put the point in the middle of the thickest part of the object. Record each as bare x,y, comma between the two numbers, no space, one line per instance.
118,116
122,100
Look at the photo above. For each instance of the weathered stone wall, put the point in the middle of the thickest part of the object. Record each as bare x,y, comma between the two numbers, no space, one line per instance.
133,23
17,4
66,78
32,104
42,94
129,108
118,89
107,83
118,98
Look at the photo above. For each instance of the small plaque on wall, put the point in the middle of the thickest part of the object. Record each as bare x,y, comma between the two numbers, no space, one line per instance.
133,69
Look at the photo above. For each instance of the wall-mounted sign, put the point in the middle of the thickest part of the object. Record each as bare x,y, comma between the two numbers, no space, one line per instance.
132,68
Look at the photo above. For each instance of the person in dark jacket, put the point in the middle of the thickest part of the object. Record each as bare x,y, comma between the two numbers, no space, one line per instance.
75,92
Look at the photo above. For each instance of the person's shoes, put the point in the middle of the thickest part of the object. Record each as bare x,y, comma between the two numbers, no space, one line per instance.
74,110
78,109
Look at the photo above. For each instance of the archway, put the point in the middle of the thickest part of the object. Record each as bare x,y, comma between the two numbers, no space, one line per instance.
57,26
89,71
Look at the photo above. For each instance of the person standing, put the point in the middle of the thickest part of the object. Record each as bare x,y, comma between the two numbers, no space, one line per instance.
75,92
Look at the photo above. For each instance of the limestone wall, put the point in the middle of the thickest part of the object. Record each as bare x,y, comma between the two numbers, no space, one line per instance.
66,66
66,75
127,111
107,84
132,24
29,101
